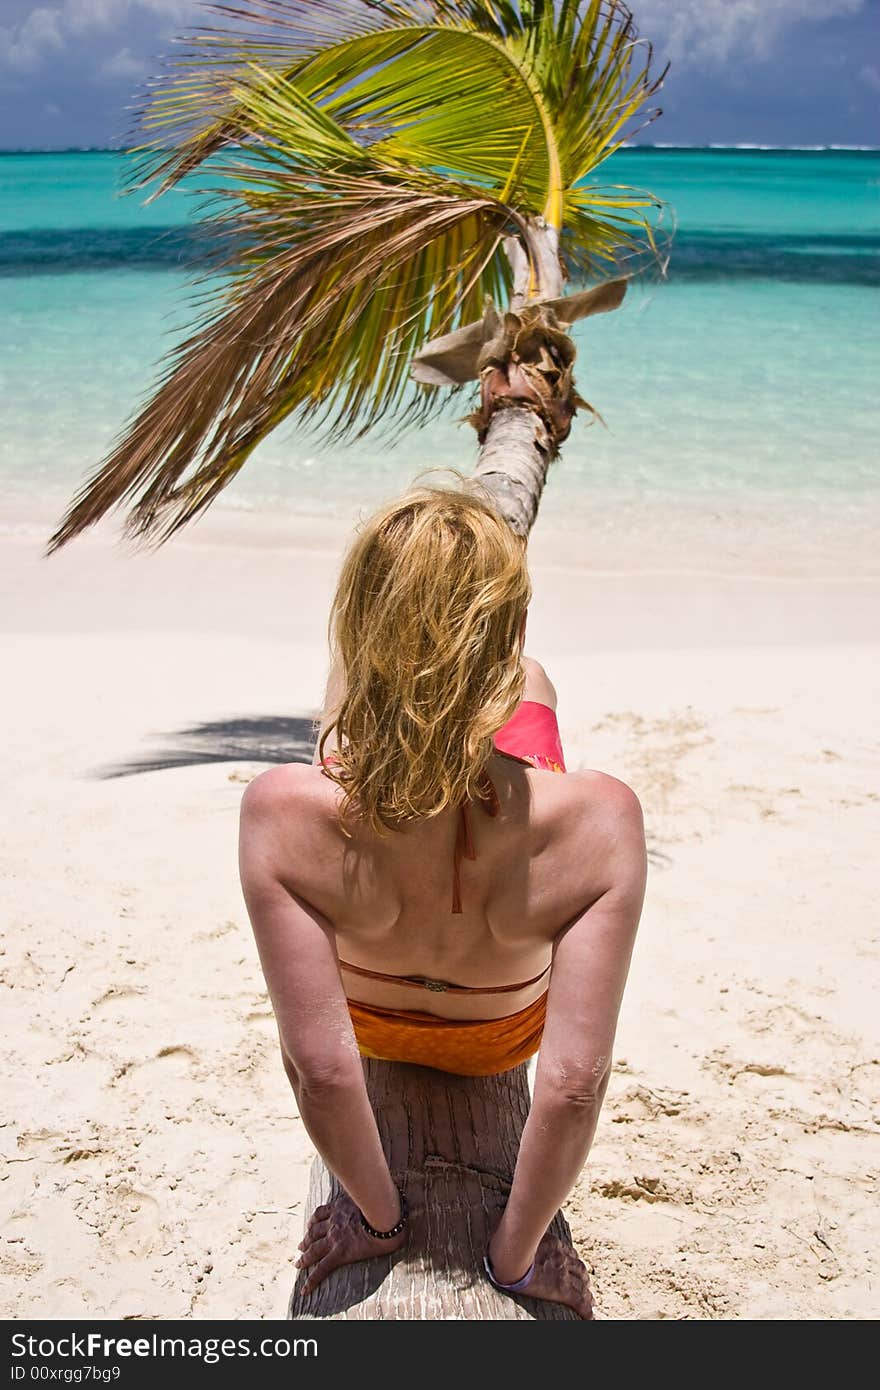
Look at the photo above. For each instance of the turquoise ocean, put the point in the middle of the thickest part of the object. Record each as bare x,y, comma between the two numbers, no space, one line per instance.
742,388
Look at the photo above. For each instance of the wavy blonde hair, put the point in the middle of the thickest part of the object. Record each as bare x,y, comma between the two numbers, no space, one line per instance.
425,625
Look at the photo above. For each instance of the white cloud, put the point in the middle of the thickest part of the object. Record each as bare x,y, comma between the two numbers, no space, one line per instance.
29,42
24,45
123,63
870,75
82,15
703,33
720,32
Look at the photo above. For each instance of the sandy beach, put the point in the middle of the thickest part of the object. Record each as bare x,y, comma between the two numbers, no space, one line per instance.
153,1165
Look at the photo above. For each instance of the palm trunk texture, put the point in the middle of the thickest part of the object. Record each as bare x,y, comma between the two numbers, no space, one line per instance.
518,445
451,1143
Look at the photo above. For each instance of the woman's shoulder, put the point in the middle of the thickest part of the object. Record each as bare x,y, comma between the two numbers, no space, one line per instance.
603,790
283,787
605,808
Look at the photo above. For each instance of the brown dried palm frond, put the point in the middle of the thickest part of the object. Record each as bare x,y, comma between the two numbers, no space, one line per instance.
292,336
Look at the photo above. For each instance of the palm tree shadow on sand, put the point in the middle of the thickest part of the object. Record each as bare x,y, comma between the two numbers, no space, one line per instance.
269,739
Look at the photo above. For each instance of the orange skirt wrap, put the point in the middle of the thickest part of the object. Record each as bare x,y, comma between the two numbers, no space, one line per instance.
466,1047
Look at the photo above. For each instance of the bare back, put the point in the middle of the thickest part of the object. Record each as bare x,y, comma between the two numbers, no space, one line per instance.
539,864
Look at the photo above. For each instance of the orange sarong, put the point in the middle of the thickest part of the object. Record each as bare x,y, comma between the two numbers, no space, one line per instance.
481,1047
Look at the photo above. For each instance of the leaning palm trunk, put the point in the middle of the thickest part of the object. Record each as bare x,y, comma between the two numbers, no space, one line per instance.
523,361
520,400
517,451
451,1143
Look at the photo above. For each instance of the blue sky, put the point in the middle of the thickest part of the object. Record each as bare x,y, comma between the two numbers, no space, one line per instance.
768,71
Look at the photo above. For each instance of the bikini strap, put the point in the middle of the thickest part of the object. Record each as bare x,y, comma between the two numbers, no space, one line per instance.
440,986
487,797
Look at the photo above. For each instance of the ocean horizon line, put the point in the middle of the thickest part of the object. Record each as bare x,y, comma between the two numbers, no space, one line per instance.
631,147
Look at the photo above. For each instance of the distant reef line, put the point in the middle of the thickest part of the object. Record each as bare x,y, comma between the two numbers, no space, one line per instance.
636,146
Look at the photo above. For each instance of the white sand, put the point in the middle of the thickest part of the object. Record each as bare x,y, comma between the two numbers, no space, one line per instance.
154,1165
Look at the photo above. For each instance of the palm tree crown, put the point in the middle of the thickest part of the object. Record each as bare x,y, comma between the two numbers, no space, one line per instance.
368,160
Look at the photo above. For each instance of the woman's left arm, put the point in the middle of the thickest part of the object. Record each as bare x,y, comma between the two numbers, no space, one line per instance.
298,956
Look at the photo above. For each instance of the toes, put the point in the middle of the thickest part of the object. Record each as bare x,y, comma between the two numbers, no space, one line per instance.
317,1230
315,1252
319,1272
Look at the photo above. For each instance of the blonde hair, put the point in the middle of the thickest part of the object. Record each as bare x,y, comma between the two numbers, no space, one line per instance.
426,625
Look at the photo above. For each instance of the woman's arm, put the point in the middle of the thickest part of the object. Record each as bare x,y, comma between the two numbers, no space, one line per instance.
590,964
299,962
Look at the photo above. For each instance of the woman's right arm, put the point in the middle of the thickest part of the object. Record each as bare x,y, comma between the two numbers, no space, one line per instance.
590,965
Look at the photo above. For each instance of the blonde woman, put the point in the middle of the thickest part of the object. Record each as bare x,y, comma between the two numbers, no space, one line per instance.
430,890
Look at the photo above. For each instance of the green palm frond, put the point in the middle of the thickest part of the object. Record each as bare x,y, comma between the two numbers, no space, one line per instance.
371,157
303,328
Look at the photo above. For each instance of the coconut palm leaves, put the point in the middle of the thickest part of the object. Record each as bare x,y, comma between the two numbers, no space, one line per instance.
367,157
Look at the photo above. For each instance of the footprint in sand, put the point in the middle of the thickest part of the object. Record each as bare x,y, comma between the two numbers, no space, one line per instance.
640,1102
39,1142
117,994
172,1061
134,1221
640,1189
215,933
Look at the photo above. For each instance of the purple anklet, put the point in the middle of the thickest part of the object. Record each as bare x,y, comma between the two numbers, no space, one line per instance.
508,1288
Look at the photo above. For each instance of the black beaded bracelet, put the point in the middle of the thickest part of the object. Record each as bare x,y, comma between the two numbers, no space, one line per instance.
395,1230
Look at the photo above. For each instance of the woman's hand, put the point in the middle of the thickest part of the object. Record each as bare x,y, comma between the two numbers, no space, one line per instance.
336,1237
560,1277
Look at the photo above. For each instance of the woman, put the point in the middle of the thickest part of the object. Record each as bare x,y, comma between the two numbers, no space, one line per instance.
429,890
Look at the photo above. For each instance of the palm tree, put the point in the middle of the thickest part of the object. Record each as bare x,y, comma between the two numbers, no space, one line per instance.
387,174
391,173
